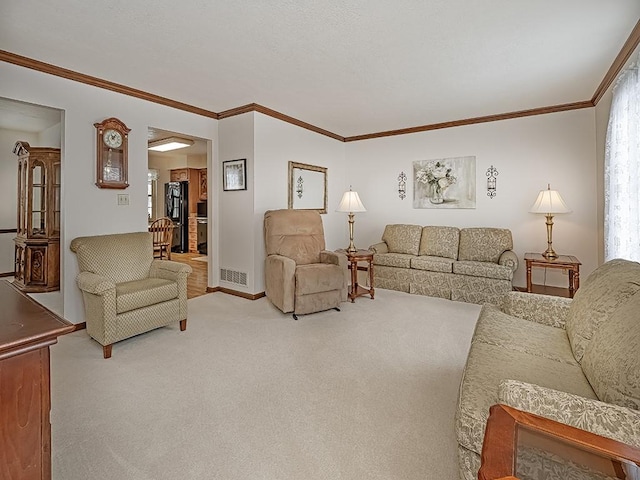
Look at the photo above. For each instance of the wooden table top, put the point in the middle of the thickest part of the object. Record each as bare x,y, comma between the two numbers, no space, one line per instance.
25,322
561,259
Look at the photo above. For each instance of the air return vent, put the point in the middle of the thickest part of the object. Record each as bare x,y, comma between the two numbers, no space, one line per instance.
233,276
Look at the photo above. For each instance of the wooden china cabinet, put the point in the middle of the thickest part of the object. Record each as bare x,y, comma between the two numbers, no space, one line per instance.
37,243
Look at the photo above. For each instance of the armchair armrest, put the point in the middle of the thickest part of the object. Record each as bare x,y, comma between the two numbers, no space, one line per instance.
327,256
605,419
381,247
509,259
95,284
545,309
169,270
280,283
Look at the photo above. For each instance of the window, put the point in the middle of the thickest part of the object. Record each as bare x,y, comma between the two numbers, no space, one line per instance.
152,193
622,170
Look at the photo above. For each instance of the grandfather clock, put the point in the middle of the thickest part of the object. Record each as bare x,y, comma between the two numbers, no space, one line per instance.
37,243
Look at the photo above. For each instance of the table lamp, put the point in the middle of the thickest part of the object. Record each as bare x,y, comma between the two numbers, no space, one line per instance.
351,204
549,202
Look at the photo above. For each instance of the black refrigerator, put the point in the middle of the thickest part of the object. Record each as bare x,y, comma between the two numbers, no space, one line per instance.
176,198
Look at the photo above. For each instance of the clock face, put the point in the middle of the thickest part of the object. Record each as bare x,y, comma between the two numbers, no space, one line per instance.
112,138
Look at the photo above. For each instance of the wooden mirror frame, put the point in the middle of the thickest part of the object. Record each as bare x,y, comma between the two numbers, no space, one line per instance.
292,185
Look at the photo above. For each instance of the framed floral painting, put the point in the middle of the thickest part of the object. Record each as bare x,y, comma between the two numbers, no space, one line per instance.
445,183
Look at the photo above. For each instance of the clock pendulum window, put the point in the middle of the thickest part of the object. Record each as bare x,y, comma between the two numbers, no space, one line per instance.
111,155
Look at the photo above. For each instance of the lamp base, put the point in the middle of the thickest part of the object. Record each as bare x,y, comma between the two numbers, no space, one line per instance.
550,254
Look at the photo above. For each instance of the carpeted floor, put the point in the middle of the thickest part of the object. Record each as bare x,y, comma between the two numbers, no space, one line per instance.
248,393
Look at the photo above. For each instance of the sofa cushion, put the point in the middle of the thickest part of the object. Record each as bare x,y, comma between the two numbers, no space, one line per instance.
432,264
484,244
145,292
608,286
318,277
487,365
440,241
611,360
498,328
483,269
401,260
402,238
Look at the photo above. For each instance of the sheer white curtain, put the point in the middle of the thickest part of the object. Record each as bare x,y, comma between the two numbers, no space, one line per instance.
622,170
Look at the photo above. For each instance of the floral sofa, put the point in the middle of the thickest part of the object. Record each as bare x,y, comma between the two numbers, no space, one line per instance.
473,265
573,361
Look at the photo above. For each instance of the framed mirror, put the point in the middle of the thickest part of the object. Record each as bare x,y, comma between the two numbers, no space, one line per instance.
307,187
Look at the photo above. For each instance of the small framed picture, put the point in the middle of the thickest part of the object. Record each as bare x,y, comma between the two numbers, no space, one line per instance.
234,175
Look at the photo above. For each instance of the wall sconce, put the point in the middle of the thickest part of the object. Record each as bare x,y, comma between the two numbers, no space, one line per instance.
299,188
492,173
402,185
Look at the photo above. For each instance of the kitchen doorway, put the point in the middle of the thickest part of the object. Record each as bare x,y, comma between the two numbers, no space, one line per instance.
178,188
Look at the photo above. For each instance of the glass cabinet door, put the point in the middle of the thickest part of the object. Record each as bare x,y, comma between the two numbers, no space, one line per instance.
56,200
38,200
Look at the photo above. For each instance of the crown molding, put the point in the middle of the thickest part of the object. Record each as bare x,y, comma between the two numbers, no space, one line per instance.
627,49
100,83
471,121
255,107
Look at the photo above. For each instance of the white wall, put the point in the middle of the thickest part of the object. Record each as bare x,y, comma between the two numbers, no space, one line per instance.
276,144
236,237
528,153
88,210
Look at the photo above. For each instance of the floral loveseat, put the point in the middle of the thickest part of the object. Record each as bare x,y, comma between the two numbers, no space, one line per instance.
473,265
574,361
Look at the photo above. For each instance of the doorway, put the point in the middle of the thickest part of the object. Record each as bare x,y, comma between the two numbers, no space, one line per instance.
178,188
37,126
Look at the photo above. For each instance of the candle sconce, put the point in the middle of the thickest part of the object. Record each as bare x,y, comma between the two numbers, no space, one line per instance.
299,188
492,173
402,185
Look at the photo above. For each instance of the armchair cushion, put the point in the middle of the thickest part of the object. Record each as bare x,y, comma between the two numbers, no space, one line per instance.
318,277
145,292
296,235
120,257
609,286
611,361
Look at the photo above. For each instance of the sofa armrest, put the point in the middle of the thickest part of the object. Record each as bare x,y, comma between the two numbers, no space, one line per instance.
95,284
605,419
509,259
381,247
169,270
545,309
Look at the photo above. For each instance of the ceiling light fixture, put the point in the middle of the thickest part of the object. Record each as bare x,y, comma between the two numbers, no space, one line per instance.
171,143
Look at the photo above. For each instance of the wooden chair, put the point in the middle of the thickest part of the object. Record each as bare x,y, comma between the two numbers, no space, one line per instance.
162,230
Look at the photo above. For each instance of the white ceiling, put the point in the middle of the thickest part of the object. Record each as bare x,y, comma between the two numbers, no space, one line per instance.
350,67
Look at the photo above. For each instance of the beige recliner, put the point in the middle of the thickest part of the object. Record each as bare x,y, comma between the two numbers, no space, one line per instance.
126,291
300,275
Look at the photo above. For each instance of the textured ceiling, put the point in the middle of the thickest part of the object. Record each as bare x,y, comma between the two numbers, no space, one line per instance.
352,67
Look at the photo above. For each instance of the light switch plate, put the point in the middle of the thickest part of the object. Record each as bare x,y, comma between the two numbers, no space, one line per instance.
123,199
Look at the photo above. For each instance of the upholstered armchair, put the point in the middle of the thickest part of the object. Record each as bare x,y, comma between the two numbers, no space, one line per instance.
125,290
300,275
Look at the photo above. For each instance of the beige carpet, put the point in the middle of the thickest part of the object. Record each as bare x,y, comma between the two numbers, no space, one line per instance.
248,393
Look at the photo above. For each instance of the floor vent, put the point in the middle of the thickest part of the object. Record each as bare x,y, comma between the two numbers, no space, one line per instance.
233,276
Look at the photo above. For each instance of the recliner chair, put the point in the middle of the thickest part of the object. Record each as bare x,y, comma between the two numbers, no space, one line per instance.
125,290
300,275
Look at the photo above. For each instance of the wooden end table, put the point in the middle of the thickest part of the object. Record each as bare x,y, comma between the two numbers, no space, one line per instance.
564,262
514,441
356,290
